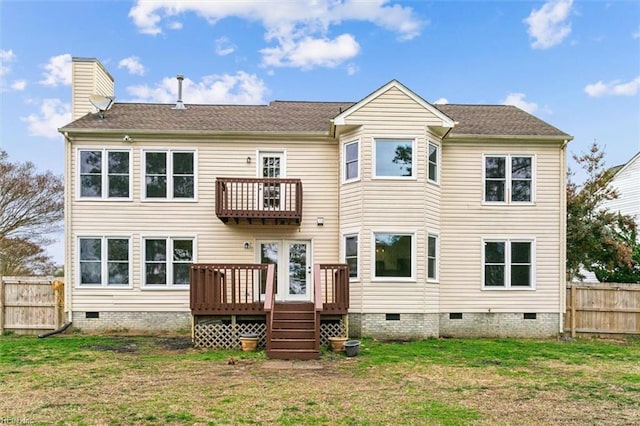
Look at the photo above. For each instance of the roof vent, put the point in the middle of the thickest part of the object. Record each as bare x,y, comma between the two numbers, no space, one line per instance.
179,103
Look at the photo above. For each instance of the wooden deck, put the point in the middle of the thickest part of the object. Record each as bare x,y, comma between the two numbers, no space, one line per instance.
259,200
293,328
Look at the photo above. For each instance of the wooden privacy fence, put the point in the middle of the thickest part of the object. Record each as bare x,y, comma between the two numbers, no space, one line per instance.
30,305
602,309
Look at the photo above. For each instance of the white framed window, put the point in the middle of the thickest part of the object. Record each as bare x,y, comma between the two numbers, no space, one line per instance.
393,158
351,161
104,261
394,256
167,261
508,179
433,252
169,175
433,163
508,263
351,251
104,174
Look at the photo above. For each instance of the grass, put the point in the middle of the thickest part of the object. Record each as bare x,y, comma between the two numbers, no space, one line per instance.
81,379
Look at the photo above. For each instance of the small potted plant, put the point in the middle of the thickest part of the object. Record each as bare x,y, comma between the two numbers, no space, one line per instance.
249,342
337,343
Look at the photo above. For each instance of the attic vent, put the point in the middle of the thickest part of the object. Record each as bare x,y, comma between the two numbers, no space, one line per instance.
179,103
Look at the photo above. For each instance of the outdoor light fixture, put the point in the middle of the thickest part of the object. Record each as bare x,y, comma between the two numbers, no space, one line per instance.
320,221
248,160
246,245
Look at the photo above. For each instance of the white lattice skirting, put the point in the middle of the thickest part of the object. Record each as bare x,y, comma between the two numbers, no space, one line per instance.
227,336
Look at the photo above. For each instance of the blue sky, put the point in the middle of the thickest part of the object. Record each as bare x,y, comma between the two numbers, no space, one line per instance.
574,64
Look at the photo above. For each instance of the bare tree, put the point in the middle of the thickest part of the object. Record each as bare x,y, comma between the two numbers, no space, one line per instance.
23,257
31,208
31,203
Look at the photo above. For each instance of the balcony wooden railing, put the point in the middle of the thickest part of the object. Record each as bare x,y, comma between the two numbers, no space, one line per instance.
333,282
265,199
229,289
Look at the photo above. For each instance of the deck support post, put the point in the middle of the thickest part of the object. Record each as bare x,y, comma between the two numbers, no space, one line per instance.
345,321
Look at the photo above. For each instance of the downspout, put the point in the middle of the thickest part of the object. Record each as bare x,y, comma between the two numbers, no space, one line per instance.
563,234
67,231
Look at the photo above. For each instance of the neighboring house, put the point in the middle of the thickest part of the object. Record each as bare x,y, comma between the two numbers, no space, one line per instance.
626,181
427,220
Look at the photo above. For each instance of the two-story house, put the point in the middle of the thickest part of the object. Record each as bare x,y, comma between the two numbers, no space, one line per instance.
389,216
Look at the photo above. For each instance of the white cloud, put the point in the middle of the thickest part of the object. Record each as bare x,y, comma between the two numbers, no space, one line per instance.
613,88
132,64
352,69
53,114
175,25
6,57
240,88
291,25
548,25
312,52
19,85
441,101
517,99
636,34
224,46
57,71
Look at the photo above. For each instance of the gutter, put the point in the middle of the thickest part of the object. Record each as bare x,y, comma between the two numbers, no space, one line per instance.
473,137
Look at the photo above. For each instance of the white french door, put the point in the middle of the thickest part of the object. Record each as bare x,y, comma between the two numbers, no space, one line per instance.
293,267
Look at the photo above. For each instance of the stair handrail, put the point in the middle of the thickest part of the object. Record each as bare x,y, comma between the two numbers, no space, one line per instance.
269,290
317,288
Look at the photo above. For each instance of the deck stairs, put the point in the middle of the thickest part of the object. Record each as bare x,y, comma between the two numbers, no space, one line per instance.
293,331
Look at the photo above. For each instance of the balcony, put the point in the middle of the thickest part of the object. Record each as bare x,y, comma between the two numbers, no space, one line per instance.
267,200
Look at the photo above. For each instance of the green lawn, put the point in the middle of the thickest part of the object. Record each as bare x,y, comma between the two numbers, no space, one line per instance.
80,379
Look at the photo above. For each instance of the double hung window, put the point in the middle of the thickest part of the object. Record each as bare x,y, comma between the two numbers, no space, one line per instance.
508,179
351,255
167,261
104,261
351,161
508,263
104,174
169,175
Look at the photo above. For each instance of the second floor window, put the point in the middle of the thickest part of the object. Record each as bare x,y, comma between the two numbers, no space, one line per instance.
433,162
104,174
169,175
508,179
393,158
351,161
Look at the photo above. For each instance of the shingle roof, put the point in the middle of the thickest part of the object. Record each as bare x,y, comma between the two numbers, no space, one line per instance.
278,116
504,120
291,116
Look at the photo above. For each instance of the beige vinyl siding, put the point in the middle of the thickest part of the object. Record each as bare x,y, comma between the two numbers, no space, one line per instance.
313,161
88,78
392,205
466,221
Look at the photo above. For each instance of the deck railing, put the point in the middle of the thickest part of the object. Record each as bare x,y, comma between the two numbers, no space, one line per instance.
278,200
229,289
248,289
333,282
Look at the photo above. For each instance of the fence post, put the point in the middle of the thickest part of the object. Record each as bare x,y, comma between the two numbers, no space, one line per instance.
573,311
1,305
